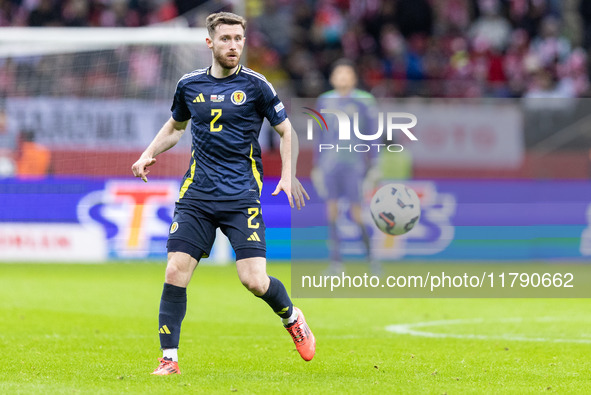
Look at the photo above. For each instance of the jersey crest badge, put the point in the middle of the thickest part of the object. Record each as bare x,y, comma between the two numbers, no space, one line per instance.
238,97
174,227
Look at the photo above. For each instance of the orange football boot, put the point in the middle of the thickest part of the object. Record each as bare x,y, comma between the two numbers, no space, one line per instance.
302,336
166,367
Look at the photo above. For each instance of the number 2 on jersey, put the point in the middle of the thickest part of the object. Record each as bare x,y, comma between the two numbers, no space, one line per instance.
253,212
216,113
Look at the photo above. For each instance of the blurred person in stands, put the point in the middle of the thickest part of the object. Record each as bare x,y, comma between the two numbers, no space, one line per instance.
585,15
550,46
491,25
45,14
546,84
338,176
414,17
76,13
33,159
8,146
514,63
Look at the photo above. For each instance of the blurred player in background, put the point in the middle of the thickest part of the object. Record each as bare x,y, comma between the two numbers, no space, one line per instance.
339,175
226,104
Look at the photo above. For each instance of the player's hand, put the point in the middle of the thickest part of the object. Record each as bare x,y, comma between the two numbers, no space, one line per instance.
294,190
140,168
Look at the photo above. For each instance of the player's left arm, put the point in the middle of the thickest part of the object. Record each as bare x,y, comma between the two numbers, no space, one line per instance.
289,150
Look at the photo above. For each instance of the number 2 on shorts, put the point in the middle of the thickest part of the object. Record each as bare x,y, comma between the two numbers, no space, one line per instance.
253,212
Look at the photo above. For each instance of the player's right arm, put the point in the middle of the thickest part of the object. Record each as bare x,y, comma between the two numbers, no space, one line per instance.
168,136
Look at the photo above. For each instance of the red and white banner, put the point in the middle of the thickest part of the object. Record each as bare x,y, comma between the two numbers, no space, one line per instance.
41,242
459,134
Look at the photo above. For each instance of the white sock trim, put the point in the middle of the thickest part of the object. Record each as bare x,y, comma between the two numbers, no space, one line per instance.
171,353
292,318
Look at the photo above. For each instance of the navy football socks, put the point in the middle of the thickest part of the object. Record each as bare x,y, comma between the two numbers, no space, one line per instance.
277,297
173,306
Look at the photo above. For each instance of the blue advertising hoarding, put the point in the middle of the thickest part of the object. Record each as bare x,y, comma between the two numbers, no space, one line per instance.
461,220
128,219
468,220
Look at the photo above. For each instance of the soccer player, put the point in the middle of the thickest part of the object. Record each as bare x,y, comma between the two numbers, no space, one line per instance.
225,103
339,175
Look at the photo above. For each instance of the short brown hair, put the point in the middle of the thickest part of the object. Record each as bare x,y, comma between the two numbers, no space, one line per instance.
223,18
343,62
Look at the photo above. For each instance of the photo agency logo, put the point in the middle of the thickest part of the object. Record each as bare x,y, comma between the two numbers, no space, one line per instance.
342,140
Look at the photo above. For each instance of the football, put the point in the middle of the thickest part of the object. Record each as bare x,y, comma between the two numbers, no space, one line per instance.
395,209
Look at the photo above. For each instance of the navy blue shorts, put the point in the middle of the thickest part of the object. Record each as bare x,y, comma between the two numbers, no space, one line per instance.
195,222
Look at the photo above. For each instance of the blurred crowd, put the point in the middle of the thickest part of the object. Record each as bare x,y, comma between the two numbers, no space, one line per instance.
140,72
434,48
92,13
401,48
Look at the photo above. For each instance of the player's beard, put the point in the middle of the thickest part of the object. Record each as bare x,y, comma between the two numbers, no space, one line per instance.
225,62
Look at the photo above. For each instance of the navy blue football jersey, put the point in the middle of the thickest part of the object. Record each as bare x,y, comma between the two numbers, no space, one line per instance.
226,117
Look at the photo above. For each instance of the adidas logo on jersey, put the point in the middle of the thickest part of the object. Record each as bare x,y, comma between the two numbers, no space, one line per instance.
254,237
199,99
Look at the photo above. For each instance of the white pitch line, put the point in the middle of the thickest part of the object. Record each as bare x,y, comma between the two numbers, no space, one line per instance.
412,330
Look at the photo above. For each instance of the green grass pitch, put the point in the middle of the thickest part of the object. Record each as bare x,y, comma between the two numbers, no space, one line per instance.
93,329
